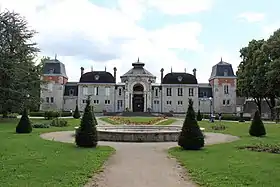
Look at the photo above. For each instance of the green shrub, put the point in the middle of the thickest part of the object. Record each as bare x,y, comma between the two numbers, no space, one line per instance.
229,117
50,113
41,125
24,125
191,137
59,123
86,135
218,127
257,127
199,116
77,114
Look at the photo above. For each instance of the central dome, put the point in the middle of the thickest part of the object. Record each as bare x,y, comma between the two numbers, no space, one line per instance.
138,70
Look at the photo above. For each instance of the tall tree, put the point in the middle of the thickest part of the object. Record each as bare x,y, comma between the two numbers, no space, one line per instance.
18,72
251,73
273,77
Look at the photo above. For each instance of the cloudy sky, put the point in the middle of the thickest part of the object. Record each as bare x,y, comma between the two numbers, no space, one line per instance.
162,33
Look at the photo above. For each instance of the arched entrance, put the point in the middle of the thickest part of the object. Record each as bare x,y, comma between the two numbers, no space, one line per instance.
138,98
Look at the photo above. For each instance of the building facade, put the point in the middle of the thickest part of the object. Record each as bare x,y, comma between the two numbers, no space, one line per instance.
138,90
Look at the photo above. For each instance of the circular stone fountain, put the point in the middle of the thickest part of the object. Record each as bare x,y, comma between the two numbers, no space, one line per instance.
139,133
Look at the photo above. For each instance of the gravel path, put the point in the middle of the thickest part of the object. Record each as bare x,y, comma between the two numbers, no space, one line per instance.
140,164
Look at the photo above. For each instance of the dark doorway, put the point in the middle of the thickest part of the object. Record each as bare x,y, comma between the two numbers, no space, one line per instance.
138,98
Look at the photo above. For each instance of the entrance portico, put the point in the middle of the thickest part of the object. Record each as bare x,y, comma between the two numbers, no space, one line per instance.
138,98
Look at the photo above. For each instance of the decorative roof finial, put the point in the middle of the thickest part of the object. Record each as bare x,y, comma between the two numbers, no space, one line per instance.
221,59
138,60
171,69
105,68
91,68
55,56
185,70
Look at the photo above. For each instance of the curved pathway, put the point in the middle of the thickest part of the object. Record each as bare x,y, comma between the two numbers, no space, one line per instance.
140,164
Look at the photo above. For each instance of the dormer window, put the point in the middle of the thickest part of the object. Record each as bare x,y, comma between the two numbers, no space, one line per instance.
71,92
226,73
96,77
180,78
51,71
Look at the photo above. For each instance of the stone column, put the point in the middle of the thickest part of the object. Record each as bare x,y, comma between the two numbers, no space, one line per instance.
127,102
130,101
149,100
145,101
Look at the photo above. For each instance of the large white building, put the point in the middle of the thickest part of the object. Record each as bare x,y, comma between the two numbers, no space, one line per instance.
138,90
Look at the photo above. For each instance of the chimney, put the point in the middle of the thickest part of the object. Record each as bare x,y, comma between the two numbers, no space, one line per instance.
82,71
161,74
115,73
194,72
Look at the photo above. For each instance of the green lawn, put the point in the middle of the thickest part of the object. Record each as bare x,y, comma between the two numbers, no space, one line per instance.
224,165
28,160
166,122
119,120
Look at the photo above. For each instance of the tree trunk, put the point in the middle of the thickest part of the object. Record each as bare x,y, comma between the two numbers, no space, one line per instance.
271,104
258,102
5,114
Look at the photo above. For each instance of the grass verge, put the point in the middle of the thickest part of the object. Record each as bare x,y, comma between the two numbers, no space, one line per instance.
224,165
28,160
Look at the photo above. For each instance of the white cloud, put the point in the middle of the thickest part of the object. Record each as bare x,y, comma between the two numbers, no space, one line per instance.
83,34
179,7
251,16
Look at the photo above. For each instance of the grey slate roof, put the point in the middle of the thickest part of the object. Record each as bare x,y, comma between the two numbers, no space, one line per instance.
179,78
138,69
71,88
54,67
222,69
97,77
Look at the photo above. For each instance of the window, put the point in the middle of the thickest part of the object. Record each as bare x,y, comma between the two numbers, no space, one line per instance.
204,94
51,71
96,90
180,102
224,102
228,102
191,92
107,91
96,101
52,100
180,91
168,102
226,89
84,100
156,92
156,102
168,92
85,90
107,102
71,92
120,103
226,73
47,99
120,91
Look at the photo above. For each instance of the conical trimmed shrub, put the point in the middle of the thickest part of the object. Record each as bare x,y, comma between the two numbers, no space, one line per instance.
24,125
76,114
86,135
191,137
257,127
199,116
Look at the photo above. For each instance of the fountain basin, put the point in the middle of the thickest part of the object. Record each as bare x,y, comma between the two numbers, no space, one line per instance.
138,133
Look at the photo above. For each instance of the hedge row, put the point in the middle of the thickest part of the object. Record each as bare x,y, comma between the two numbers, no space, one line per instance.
52,113
228,117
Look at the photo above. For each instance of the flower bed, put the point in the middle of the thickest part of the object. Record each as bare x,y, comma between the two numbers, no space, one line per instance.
136,121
